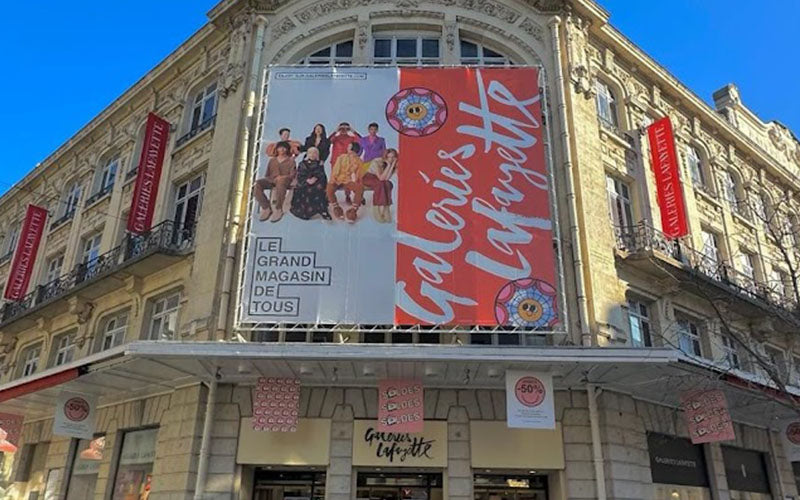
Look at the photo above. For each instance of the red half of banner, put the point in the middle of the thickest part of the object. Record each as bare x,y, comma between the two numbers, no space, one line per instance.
25,254
151,160
668,181
475,241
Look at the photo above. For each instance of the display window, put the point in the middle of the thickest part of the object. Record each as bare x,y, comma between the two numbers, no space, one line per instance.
398,486
135,467
289,485
510,487
85,466
746,472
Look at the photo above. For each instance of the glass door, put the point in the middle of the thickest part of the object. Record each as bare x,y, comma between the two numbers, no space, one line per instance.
289,485
399,486
510,487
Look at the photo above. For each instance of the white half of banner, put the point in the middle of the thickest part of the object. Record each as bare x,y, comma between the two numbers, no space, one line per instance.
530,401
75,415
790,438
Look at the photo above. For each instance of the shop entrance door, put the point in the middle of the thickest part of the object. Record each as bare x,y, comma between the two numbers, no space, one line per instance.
510,487
289,485
400,486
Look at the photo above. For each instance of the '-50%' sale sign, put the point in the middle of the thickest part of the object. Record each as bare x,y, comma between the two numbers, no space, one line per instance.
530,400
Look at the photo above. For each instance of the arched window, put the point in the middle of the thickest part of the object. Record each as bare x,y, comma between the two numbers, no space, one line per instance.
606,105
477,54
137,153
202,110
762,210
337,54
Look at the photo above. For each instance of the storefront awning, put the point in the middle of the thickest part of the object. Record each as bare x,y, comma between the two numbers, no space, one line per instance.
145,368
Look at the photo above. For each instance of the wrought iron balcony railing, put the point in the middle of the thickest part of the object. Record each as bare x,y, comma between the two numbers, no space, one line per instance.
643,238
205,125
62,220
167,237
98,195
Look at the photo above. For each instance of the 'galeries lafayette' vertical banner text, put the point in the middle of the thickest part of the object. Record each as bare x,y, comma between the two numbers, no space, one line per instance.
475,241
25,254
154,146
668,181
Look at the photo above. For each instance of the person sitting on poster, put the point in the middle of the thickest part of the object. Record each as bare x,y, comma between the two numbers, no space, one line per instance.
341,139
284,134
346,174
372,145
378,178
318,138
308,198
281,171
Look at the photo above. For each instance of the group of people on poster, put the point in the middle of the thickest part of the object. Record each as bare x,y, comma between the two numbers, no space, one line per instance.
357,164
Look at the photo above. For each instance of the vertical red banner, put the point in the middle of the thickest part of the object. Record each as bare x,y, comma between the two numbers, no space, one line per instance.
474,241
401,406
276,404
25,254
707,416
151,160
668,181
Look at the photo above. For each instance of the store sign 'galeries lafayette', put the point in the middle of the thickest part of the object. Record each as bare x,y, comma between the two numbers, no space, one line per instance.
399,449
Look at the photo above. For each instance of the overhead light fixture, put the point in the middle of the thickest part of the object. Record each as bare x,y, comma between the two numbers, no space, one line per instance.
431,372
467,376
368,371
493,373
306,370
335,376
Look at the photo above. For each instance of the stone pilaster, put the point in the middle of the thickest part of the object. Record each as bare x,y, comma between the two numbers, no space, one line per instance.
339,482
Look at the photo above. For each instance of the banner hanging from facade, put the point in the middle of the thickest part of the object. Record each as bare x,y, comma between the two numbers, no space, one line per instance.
276,404
402,196
75,415
668,180
707,416
401,406
151,160
25,253
530,400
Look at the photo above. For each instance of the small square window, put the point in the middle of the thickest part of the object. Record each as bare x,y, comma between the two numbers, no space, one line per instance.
406,47
430,47
383,47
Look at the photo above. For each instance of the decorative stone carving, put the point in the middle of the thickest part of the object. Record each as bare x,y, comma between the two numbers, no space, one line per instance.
232,73
283,27
362,34
450,35
579,66
530,27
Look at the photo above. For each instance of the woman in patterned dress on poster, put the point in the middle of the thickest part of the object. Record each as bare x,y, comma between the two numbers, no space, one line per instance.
308,198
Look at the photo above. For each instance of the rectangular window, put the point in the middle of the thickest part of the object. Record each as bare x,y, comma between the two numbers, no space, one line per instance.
776,358
72,200
619,202
10,241
404,50
689,336
188,201
63,349
108,175
113,331
606,105
85,468
164,317
639,321
746,265
731,353
135,469
204,107
729,189
54,266
695,167
29,360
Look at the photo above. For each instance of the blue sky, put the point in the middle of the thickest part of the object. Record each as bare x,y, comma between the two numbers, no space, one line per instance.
71,59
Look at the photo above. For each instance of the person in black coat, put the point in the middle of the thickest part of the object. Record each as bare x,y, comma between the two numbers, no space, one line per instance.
319,139
308,197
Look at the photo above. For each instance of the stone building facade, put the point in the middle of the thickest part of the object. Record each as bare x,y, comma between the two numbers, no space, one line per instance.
148,327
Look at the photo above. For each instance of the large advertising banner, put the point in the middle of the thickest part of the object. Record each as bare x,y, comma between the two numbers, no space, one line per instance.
668,179
402,196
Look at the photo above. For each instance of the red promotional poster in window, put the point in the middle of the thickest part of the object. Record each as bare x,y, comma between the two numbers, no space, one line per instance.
25,254
154,146
401,404
668,181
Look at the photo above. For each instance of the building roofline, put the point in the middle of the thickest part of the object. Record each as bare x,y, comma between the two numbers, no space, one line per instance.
128,95
690,99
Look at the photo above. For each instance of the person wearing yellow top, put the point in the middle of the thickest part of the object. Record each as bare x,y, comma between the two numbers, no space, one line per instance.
346,174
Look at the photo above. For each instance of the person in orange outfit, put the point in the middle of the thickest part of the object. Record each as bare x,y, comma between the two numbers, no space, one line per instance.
346,174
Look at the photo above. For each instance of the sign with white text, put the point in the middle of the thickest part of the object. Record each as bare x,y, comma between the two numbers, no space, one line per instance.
530,402
25,253
668,180
75,415
707,416
401,404
406,196
151,161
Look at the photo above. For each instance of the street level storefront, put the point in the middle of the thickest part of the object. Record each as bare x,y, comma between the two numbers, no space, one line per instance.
151,443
